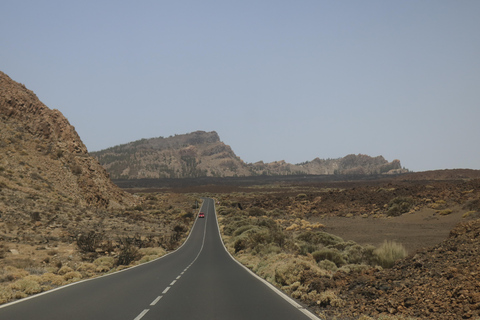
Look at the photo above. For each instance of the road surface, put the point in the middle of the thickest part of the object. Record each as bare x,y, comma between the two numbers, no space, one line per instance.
198,281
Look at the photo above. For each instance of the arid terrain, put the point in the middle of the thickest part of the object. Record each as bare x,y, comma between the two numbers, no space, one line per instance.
347,246
61,217
435,219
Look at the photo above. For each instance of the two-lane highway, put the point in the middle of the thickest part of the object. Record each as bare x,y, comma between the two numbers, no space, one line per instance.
198,281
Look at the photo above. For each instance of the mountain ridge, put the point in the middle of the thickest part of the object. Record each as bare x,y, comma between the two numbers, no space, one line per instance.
203,154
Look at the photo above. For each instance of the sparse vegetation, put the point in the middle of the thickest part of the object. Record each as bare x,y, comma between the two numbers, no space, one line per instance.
388,253
62,220
90,251
399,206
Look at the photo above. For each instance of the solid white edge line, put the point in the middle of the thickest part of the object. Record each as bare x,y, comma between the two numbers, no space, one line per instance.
268,284
104,275
154,302
140,316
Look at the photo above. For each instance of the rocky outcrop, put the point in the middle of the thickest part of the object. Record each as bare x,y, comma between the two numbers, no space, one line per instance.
42,154
197,154
203,154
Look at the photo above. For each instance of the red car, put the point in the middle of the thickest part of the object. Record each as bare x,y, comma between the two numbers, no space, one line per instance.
201,215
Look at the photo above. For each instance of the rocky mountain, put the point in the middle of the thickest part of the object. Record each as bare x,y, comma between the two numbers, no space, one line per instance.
203,154
42,155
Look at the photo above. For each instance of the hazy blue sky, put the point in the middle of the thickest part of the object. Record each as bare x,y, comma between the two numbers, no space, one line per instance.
278,80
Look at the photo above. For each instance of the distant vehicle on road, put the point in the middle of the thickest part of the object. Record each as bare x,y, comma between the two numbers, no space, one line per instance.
201,215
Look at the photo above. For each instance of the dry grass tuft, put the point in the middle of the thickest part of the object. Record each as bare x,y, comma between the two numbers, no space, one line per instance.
389,252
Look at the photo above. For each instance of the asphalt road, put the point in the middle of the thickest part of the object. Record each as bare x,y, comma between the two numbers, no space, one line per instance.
198,281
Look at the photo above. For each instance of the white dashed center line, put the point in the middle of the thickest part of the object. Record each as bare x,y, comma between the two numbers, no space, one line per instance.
156,300
140,316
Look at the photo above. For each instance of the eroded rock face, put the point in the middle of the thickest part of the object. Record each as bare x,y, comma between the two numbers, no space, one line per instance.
203,154
42,153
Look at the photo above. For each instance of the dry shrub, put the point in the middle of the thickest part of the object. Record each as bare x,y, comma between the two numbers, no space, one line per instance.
105,262
87,268
291,271
388,253
6,294
72,276
128,254
293,227
445,212
386,317
89,242
329,297
149,254
52,279
10,273
64,270
28,285
23,263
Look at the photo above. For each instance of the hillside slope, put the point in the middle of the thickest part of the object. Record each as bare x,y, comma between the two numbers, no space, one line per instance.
203,154
43,156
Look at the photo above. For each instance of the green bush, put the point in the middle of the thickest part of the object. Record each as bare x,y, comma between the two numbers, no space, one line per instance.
356,254
305,247
233,224
268,249
333,255
224,211
388,253
328,265
319,237
245,228
399,206
276,213
256,212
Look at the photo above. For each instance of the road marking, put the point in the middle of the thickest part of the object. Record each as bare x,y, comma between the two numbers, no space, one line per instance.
156,300
268,284
140,316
